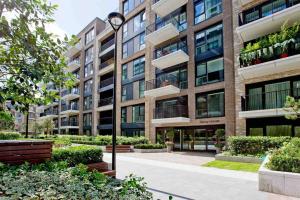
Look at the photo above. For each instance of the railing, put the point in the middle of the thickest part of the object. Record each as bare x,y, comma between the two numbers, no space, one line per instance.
69,107
107,44
51,112
162,81
74,62
77,46
106,63
69,123
170,48
256,13
268,100
169,19
73,91
105,120
106,101
170,111
270,53
106,82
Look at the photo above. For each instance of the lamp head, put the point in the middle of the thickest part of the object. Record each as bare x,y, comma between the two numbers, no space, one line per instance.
116,20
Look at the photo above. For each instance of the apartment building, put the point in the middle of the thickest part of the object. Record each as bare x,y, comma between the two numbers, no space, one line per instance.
268,73
73,113
176,71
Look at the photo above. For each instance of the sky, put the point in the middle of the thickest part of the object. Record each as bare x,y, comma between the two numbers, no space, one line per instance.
73,15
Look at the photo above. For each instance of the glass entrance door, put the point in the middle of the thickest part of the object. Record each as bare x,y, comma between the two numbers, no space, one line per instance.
200,140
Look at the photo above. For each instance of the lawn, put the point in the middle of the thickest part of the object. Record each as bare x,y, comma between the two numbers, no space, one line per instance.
248,167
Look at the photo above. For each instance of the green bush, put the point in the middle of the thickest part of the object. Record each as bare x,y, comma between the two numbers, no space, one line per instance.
10,135
57,181
287,158
255,146
149,146
78,154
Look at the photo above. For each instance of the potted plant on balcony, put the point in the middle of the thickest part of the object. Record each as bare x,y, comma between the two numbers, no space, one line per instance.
267,49
169,140
220,134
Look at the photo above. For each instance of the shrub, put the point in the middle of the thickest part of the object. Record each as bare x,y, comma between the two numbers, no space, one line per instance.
287,158
149,146
10,135
78,154
256,146
61,182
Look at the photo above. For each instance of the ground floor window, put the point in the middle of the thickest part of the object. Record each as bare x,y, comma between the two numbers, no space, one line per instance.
105,132
133,132
274,126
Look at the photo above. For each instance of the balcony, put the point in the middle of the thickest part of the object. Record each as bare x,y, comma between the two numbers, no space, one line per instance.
268,104
74,49
269,61
70,95
259,24
105,104
165,7
168,57
49,114
107,47
171,114
162,31
72,109
51,88
69,125
162,86
106,84
73,65
106,67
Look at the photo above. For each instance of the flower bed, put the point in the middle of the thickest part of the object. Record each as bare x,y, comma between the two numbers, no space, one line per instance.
150,148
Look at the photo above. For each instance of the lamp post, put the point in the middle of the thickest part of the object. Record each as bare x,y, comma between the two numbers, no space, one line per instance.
116,21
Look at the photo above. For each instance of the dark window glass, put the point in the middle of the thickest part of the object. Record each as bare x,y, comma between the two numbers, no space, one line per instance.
138,113
210,105
138,66
205,9
210,72
124,115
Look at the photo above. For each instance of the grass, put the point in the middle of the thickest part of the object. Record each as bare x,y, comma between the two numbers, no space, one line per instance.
238,166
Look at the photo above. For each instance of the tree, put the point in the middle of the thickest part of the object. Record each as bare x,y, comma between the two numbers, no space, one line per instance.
292,106
29,55
6,120
48,126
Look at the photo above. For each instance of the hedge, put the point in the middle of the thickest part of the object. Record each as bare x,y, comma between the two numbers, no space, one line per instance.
254,146
10,135
78,154
287,158
149,146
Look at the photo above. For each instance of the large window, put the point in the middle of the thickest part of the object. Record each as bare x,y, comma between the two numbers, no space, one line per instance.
89,55
87,119
88,103
124,72
178,18
88,69
133,90
142,88
210,40
138,113
210,72
89,36
124,115
125,30
210,105
139,22
134,45
88,87
124,93
205,9
129,5
175,76
138,66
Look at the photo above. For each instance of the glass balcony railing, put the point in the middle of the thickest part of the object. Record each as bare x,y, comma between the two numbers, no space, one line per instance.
106,82
105,101
69,123
107,45
162,81
73,91
170,111
171,48
70,107
106,63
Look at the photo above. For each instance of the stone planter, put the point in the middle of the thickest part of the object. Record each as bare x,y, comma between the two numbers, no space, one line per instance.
238,159
150,150
284,183
169,147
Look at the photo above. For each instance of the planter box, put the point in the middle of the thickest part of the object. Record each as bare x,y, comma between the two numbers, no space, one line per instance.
102,167
238,159
150,150
284,183
119,148
19,152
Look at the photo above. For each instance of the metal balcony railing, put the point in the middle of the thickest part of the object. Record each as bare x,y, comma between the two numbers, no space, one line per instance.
106,82
73,91
170,111
69,123
162,81
106,63
74,62
106,101
169,19
257,12
171,48
69,107
105,120
107,44
268,100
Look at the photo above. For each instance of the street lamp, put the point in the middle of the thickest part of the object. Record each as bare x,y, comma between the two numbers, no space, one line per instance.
116,21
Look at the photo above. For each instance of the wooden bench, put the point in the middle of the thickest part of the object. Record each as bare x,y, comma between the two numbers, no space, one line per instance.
20,151
119,148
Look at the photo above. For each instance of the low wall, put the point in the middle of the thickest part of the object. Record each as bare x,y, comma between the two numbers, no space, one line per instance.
238,159
18,151
284,183
150,150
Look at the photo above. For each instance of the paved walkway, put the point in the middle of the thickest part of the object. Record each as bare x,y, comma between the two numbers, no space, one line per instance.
182,177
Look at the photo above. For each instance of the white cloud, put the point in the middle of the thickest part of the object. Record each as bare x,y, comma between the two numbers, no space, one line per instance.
56,30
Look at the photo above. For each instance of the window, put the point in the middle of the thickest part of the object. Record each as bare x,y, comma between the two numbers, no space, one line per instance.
124,72
210,72
89,36
124,93
178,18
124,115
88,69
125,30
176,76
210,105
141,89
205,9
129,5
125,50
87,119
165,50
88,103
139,22
138,113
126,7
133,45
88,87
209,40
138,66
89,55
142,41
